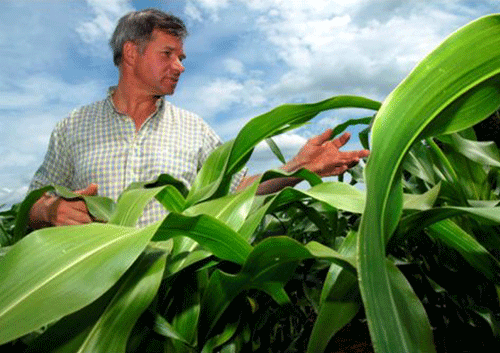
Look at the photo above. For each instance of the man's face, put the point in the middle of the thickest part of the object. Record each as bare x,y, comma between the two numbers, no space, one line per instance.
159,67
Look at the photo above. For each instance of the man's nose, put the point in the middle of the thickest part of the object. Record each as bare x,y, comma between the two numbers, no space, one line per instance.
178,66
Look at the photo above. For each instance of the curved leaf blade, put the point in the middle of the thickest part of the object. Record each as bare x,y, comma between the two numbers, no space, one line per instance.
101,252
443,88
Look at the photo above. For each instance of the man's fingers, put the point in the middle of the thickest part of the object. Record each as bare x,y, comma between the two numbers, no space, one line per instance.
90,190
363,153
73,221
68,212
341,140
77,205
320,139
353,156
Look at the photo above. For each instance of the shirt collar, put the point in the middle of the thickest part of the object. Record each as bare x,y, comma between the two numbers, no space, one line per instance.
160,103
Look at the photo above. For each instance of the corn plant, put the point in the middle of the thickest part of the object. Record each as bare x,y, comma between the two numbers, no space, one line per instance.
219,269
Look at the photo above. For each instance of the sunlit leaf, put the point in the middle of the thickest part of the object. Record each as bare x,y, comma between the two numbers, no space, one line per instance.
437,97
28,280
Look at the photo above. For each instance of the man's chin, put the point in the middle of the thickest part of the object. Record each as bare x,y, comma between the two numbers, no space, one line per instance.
169,91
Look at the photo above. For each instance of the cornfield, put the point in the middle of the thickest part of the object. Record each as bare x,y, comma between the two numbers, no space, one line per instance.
413,254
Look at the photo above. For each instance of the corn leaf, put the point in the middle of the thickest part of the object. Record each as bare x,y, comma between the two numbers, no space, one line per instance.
473,252
485,153
130,205
351,122
24,210
267,268
101,252
340,300
112,330
339,195
437,97
215,175
231,209
276,150
171,199
100,207
163,328
209,232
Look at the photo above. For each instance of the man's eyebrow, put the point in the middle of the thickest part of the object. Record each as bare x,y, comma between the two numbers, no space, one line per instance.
173,48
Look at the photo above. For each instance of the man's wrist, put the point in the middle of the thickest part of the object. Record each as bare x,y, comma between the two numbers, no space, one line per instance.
291,166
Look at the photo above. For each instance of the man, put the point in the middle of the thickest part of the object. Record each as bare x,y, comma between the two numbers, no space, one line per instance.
135,135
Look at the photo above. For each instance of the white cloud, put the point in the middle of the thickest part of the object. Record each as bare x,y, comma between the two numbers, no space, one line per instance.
10,196
247,57
194,9
342,47
234,66
288,143
219,95
42,92
32,107
193,12
263,158
107,14
14,158
329,122
97,31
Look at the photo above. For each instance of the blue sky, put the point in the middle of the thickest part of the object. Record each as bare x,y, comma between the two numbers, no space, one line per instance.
243,58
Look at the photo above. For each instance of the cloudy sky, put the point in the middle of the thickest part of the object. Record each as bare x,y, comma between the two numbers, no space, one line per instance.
244,57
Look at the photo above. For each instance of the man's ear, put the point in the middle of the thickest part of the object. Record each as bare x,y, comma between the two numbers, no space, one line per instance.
130,53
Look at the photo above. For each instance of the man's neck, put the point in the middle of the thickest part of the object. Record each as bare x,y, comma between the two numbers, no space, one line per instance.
133,103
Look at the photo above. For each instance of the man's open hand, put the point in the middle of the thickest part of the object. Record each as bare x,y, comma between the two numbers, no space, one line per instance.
323,156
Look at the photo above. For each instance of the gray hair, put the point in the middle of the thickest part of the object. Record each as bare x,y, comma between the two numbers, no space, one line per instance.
138,26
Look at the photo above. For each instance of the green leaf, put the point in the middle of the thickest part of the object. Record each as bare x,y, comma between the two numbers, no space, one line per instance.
130,205
423,201
231,209
418,162
266,125
335,313
215,175
416,329
112,330
162,180
339,195
340,300
417,221
221,338
484,153
171,199
100,207
276,150
67,334
473,252
448,91
101,252
24,210
268,268
163,328
352,122
210,233
186,305
211,175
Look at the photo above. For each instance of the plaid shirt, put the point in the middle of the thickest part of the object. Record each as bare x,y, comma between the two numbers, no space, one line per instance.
96,144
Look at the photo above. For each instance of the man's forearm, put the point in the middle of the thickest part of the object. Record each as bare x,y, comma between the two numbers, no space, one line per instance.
273,185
